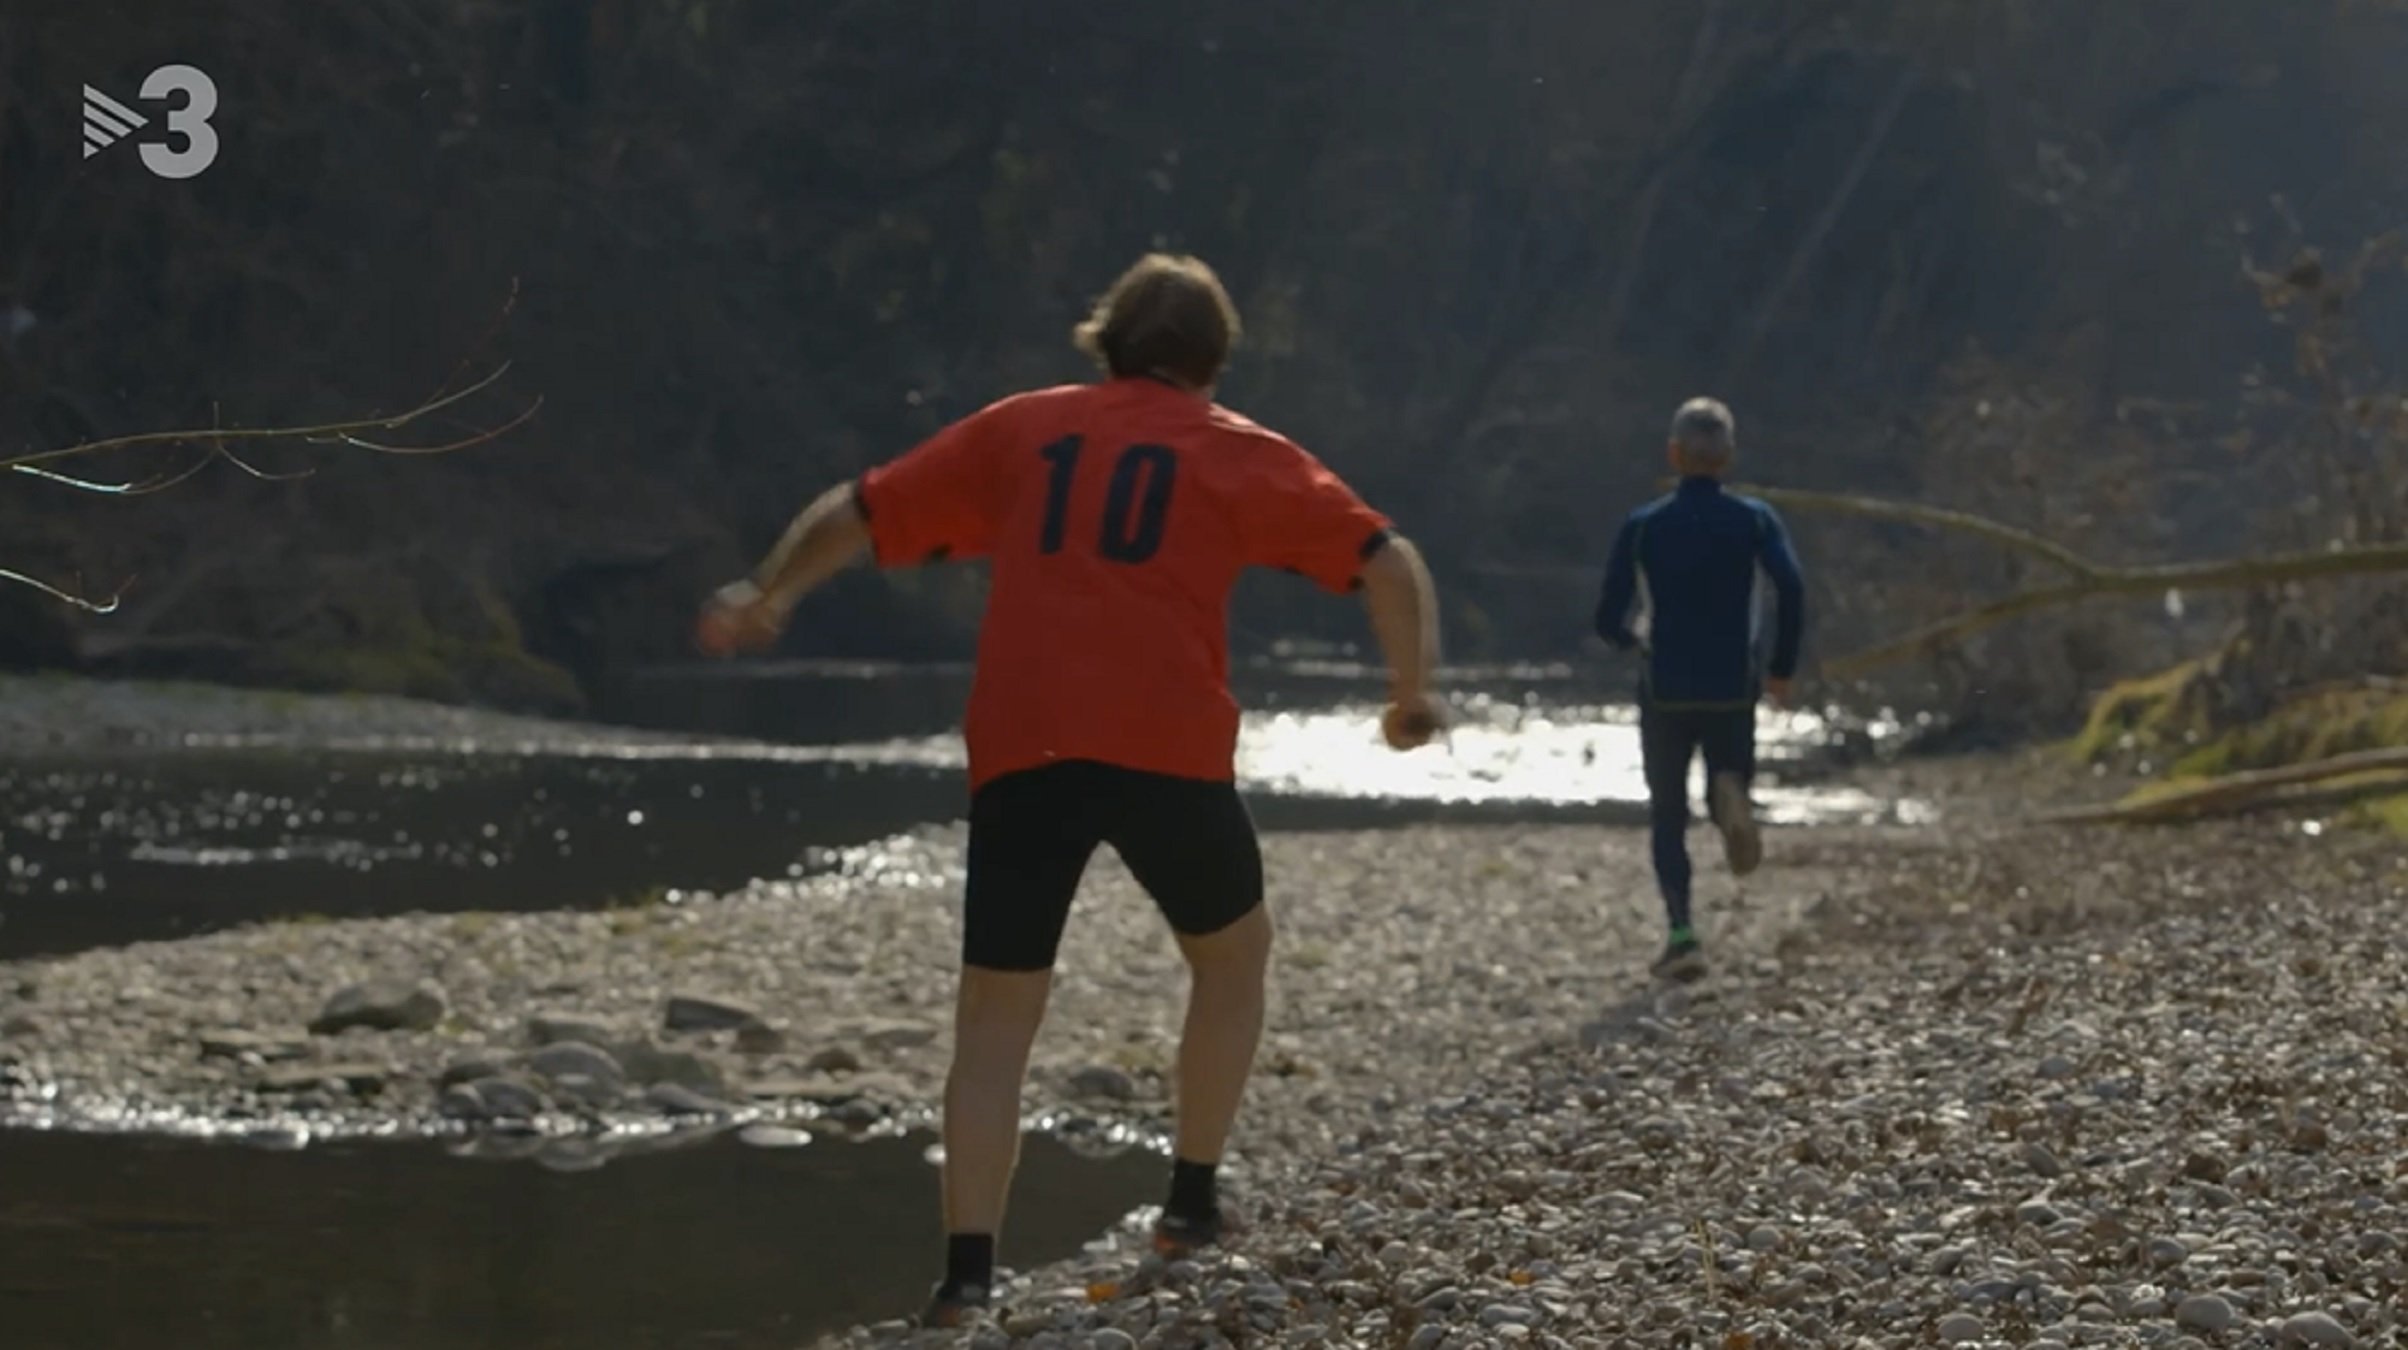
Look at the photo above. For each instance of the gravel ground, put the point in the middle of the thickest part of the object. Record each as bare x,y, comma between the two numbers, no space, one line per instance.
2064,1089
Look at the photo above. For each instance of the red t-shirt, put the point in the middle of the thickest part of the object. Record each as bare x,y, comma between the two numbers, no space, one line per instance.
1118,516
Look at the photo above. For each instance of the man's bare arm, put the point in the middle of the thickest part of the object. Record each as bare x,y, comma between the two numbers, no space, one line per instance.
825,539
1403,605
749,615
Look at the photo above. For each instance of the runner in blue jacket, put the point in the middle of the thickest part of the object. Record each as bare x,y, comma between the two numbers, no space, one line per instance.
1683,588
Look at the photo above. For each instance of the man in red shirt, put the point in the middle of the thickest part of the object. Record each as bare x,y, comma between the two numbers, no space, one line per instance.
1117,517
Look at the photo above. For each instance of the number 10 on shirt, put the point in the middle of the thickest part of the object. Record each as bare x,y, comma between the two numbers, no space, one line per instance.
1136,507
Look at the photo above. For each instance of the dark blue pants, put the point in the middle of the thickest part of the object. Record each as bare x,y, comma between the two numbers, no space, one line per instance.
1669,739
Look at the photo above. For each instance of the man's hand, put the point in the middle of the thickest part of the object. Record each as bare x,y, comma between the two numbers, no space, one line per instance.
1777,693
1411,721
739,619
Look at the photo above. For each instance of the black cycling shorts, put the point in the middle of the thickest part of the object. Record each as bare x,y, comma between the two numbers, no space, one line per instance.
1188,841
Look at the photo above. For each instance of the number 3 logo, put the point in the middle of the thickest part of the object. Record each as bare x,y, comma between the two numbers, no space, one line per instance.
191,122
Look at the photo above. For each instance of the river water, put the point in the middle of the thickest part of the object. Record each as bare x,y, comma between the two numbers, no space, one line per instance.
110,1241
107,846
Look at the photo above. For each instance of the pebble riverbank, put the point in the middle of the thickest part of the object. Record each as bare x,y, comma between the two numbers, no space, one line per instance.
2023,1089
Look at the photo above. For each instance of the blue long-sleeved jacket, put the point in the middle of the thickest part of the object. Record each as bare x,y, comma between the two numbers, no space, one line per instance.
1691,561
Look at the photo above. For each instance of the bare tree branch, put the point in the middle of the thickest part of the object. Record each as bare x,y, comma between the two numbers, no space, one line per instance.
2089,579
355,433
324,433
2231,574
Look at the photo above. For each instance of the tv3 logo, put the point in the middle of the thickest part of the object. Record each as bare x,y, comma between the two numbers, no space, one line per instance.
107,121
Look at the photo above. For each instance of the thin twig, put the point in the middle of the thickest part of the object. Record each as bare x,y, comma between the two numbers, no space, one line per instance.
259,473
142,488
525,416
492,330
108,606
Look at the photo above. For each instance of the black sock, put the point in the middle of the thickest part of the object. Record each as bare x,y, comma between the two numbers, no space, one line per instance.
1192,1191
969,1260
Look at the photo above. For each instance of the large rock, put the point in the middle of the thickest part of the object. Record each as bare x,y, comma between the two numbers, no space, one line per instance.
381,1005
697,1012
2204,1312
2316,1329
550,1029
575,1059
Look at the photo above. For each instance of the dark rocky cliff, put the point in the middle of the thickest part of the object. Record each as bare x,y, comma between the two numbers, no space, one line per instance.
1482,251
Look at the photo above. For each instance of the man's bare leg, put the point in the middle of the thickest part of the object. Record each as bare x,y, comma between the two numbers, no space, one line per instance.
995,1021
1225,998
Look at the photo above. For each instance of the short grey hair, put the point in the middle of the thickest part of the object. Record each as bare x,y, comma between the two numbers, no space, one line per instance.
1704,426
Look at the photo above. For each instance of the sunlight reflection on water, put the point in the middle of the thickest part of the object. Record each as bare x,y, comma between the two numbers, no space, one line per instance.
1497,751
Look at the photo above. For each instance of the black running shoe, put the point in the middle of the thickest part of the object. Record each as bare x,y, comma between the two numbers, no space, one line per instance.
1683,959
958,1305
1735,816
1178,1235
